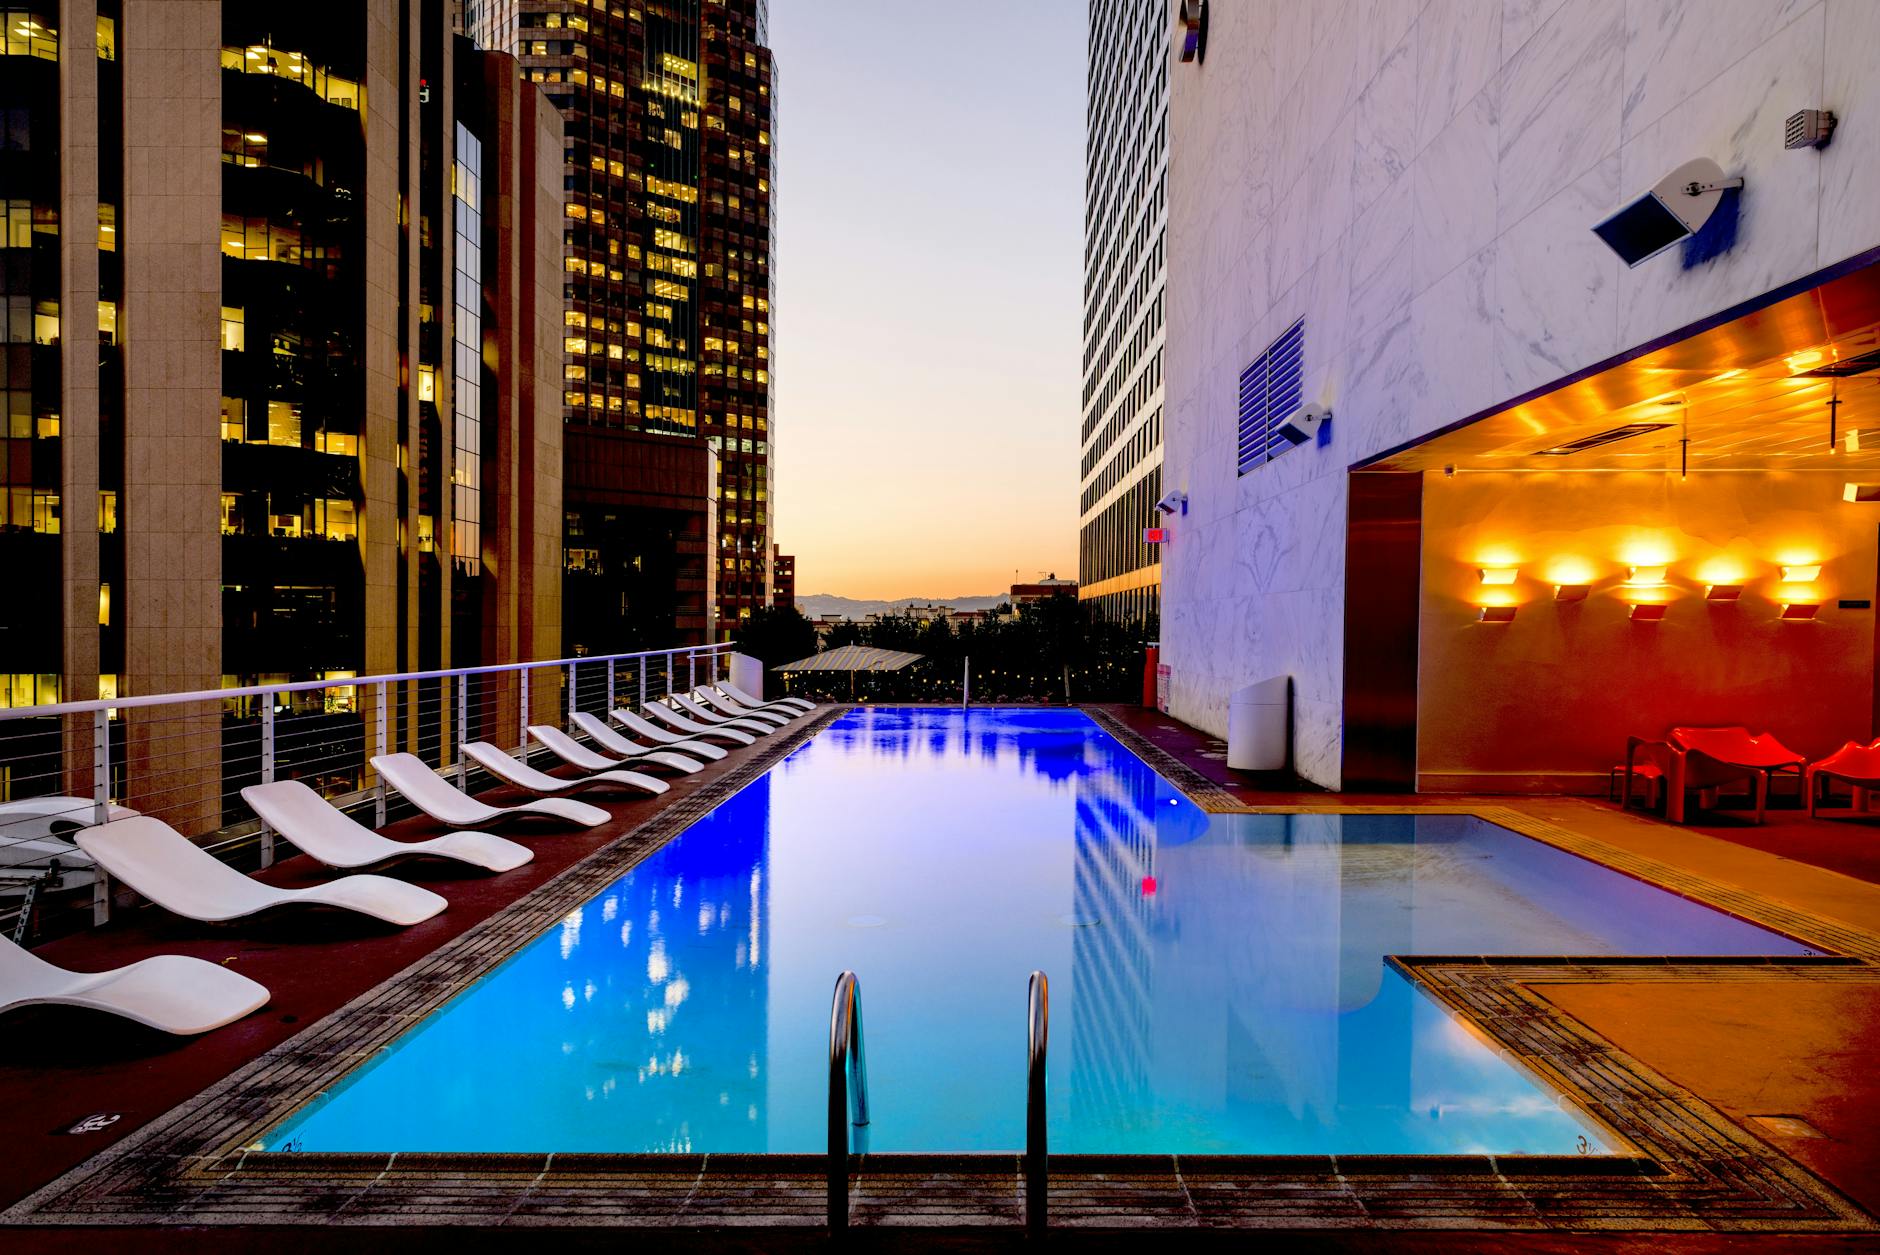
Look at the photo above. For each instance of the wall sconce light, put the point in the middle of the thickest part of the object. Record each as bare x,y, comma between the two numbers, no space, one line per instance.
1571,592
1861,492
1649,611
1723,592
1496,614
1498,574
1645,576
1851,442
1800,611
1801,574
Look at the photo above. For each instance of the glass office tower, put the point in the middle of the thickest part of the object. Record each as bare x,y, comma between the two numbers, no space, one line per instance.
1125,217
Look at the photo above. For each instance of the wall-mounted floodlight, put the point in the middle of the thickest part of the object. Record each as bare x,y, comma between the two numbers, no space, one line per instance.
1192,32
1648,611
1495,614
1571,592
1860,492
1497,574
1677,206
1801,574
1723,592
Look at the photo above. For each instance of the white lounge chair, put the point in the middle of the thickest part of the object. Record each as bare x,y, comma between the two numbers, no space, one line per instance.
171,992
36,842
327,834
685,727
425,789
614,743
690,709
801,705
180,876
575,754
718,703
513,771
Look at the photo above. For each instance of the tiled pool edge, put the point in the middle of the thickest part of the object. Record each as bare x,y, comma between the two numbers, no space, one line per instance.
188,1168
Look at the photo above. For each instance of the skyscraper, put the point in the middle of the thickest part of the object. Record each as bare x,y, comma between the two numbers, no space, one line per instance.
1125,214
667,243
254,437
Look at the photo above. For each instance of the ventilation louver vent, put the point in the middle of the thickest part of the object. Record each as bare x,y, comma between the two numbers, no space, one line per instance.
1605,437
1271,388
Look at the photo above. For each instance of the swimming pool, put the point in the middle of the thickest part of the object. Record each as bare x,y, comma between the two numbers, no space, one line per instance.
1218,982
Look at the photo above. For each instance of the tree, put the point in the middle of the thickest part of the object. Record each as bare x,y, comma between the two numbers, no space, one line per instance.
776,635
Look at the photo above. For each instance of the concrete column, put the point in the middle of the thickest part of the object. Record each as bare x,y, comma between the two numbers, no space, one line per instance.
169,324
78,377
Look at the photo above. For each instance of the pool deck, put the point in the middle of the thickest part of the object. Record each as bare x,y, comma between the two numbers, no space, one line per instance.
1750,1086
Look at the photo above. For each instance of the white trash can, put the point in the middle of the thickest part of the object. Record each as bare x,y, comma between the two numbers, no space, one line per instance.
1256,726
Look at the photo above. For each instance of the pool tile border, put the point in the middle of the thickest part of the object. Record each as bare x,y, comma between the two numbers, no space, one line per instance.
1696,1169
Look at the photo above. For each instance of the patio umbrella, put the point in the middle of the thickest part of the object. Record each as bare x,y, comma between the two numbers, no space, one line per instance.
853,658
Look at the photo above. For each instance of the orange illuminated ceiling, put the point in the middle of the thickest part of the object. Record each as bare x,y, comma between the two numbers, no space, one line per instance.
1751,394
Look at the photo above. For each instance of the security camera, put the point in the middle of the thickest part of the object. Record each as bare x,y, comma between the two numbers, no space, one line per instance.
1303,423
1174,501
1677,206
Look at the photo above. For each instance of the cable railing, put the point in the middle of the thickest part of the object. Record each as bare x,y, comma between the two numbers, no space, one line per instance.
848,1090
185,757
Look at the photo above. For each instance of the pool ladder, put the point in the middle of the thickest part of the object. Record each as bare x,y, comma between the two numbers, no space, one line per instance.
848,1095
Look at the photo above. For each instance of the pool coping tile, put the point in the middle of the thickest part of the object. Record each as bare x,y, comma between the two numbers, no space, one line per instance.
1686,1166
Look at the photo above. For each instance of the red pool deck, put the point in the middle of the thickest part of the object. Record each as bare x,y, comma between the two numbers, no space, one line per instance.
1788,1051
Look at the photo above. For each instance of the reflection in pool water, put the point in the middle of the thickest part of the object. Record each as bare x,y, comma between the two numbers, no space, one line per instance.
1218,982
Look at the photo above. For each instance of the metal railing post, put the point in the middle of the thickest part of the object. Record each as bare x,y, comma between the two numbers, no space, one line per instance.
522,719
463,726
671,670
642,670
610,684
574,692
385,747
1037,1149
101,807
691,670
267,773
848,1090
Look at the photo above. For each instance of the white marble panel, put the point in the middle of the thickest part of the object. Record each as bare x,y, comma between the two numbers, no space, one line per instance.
1385,394
1386,127
1455,191
1454,322
1383,269
1557,286
1458,51
1738,120
1674,47
1850,164
1520,19
1558,101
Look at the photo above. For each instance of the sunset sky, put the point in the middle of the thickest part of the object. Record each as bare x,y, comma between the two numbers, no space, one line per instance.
929,208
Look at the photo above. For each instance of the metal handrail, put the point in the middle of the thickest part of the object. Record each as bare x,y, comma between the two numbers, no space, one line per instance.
363,681
1037,1150
848,1090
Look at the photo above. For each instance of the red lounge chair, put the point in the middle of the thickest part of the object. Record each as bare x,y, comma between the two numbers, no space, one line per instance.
1855,765
1706,759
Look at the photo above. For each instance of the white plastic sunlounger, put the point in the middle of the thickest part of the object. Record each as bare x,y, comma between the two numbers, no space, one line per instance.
667,715
686,706
575,754
522,776
180,876
782,703
442,801
614,743
329,835
171,992
719,703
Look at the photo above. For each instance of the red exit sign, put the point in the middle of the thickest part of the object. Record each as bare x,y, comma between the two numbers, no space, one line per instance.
1155,535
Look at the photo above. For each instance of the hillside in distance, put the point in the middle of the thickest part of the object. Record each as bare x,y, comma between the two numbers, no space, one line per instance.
815,605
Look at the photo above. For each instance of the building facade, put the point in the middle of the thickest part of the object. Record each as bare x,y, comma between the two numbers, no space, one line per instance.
782,579
303,440
1125,222
667,240
1564,496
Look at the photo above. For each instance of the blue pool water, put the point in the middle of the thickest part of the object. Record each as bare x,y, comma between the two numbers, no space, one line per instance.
1217,983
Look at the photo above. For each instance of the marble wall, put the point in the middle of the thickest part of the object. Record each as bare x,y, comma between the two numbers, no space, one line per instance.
1417,181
